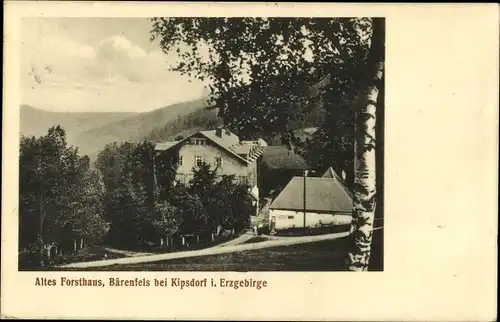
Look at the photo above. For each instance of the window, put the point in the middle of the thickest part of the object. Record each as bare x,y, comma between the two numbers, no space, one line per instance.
281,217
179,160
198,161
218,162
198,141
290,217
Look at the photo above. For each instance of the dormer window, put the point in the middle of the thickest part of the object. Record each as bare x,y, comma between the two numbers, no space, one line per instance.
198,141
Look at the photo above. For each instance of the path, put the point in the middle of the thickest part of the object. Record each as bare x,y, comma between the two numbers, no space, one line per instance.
125,252
238,240
208,251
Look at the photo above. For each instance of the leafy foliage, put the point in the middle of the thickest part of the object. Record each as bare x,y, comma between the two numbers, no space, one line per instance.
60,196
131,201
185,126
266,75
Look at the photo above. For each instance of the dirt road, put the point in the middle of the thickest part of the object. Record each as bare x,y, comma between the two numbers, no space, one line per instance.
208,251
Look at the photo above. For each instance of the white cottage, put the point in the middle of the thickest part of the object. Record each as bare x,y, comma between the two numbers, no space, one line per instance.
327,202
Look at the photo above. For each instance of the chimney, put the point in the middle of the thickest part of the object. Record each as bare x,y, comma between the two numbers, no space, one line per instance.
218,132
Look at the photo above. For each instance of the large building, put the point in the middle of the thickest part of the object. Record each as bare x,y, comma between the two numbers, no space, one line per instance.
324,201
223,150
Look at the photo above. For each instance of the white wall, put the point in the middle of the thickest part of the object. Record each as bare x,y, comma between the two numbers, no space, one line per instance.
291,219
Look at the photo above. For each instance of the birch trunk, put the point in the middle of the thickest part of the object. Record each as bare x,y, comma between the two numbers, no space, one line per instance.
364,161
74,245
81,243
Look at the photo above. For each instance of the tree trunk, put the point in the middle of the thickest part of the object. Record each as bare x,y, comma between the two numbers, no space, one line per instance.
81,243
48,251
364,177
161,241
40,232
74,245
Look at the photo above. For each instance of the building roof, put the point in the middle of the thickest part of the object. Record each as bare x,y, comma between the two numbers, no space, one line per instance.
228,138
322,195
280,157
330,173
165,145
227,141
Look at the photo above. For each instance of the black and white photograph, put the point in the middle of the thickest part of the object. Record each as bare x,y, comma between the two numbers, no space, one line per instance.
202,144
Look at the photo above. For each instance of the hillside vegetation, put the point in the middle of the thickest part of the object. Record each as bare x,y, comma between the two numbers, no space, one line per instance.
90,132
133,129
36,122
185,125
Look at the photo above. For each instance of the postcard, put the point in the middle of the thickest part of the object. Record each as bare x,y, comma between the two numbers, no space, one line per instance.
253,161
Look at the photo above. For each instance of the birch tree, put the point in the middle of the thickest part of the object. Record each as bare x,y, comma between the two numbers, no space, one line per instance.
365,157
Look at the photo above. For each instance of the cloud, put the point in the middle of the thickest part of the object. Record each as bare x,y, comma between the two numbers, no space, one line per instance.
113,73
113,60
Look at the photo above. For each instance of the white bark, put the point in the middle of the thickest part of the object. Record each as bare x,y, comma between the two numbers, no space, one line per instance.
364,161
81,243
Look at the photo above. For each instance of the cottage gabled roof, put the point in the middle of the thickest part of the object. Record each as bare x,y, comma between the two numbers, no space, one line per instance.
326,195
228,141
280,157
330,173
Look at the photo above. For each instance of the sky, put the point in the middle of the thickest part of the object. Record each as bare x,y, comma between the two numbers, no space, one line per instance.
98,65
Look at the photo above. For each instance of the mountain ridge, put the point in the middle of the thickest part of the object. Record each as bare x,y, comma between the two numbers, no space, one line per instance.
91,131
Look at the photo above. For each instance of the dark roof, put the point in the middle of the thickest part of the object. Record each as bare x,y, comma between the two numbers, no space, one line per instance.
280,157
322,195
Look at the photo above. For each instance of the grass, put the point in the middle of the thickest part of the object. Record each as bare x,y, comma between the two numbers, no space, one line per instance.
87,254
318,256
178,247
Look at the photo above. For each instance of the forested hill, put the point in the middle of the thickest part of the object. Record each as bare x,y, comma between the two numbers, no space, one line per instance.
207,119
186,125
92,131
36,122
133,129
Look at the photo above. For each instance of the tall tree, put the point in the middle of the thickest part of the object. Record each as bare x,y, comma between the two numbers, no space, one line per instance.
365,154
166,220
260,69
59,194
